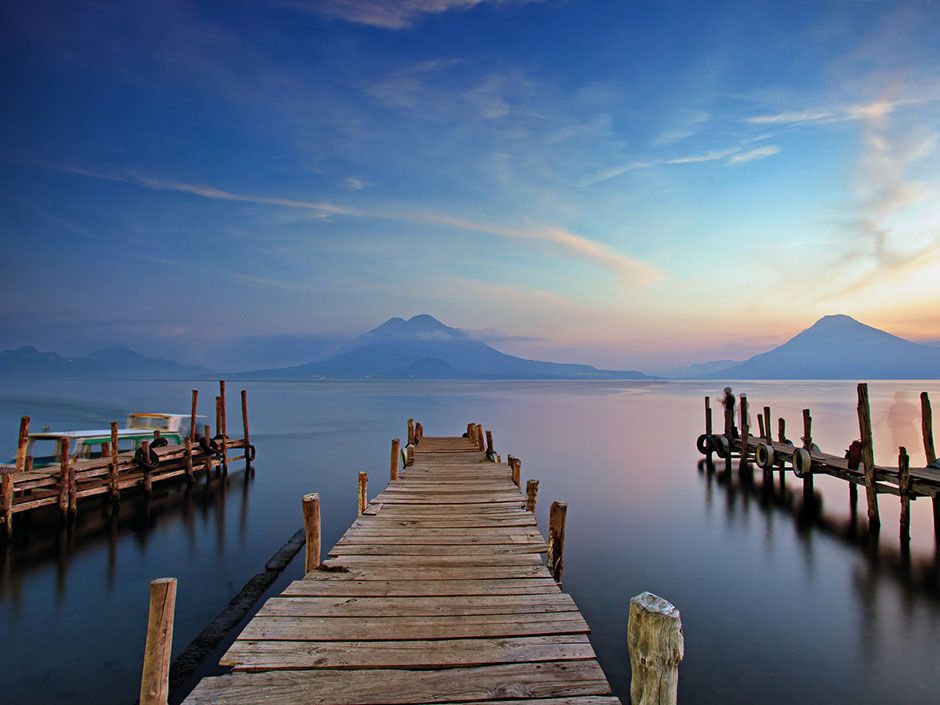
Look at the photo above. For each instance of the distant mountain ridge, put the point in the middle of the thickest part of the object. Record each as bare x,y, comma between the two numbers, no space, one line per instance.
840,347
114,362
422,347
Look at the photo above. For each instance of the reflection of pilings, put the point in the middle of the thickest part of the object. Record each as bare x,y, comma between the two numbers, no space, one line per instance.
46,540
922,575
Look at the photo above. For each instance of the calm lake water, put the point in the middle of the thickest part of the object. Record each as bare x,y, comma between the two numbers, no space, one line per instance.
780,604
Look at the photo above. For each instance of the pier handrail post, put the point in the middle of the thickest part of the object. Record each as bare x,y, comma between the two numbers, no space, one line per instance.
246,440
868,456
192,415
207,456
926,423
480,436
155,679
363,492
769,434
311,507
531,490
393,463
708,416
224,425
515,465
114,488
22,442
411,431
489,443
557,520
782,430
807,429
656,646
904,489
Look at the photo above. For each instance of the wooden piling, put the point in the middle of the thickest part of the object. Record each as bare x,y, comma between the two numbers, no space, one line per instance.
245,435
155,680
192,416
904,489
21,444
745,429
411,431
868,456
489,443
6,497
531,491
656,646
760,426
782,430
363,492
224,424
480,437
148,474
557,519
114,486
208,455
311,507
188,452
708,416
67,478
515,466
767,427
926,424
396,455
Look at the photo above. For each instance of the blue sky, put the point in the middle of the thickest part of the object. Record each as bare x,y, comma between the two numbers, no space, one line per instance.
627,184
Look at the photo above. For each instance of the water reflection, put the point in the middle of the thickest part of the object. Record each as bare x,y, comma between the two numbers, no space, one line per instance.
741,483
44,538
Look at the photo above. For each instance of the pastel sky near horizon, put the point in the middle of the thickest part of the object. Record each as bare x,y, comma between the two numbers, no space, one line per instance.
626,184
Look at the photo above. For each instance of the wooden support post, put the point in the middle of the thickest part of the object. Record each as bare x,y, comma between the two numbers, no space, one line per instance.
480,437
868,456
155,681
114,487
148,475
411,431
489,443
207,454
745,429
656,646
363,492
904,489
246,438
224,424
708,416
6,495
22,442
192,416
557,518
410,456
729,425
393,464
760,425
188,452
515,467
807,430
531,490
65,479
470,431
926,424
782,430
218,416
768,429
311,507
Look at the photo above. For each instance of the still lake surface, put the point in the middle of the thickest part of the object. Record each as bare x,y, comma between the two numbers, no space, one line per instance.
779,603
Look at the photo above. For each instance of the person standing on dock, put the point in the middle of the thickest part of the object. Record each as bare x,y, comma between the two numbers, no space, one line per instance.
728,402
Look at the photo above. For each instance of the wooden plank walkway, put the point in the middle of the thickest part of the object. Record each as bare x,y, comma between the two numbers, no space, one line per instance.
437,594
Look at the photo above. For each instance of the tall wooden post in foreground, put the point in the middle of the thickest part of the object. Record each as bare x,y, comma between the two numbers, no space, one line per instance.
656,646
192,415
155,680
868,456
557,519
708,416
114,486
926,423
393,464
311,507
363,492
480,443
531,490
411,431
515,466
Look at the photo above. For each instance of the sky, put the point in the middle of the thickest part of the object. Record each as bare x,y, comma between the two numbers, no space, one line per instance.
625,184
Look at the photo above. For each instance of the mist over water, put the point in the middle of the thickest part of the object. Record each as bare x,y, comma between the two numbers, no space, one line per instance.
782,601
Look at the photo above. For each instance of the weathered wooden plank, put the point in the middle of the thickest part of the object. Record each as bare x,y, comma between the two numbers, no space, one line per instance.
418,587
553,679
434,550
415,606
247,655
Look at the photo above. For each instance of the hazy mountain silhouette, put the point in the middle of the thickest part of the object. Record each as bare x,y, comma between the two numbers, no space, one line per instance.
115,362
423,347
839,347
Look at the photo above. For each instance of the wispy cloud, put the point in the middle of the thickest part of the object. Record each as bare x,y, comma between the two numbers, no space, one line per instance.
630,269
391,14
354,183
753,154
845,113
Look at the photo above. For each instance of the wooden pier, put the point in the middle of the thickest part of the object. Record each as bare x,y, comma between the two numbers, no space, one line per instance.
24,488
856,465
437,593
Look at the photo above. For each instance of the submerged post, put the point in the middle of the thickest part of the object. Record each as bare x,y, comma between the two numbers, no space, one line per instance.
557,519
192,416
363,492
245,436
904,489
393,465
531,490
155,680
926,424
656,646
311,507
868,456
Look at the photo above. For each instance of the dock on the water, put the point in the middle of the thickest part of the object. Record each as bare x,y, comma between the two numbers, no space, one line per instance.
437,593
24,486
856,466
